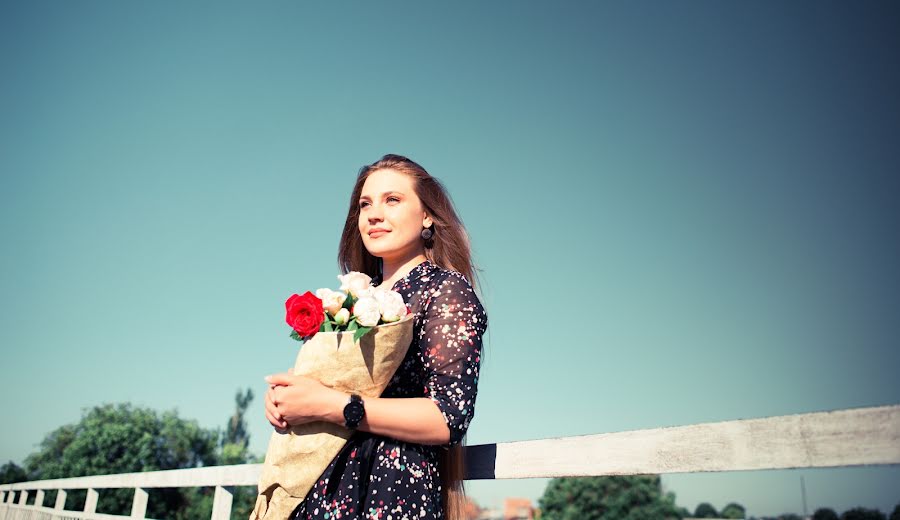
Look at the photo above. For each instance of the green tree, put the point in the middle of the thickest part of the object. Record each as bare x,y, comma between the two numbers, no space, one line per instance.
235,438
121,438
825,513
862,513
895,515
236,432
789,516
733,510
705,510
11,472
607,498
234,445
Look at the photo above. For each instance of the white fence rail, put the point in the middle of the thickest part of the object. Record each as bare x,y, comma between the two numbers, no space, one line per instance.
854,437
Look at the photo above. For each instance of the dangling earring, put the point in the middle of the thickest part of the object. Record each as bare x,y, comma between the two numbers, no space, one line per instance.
427,233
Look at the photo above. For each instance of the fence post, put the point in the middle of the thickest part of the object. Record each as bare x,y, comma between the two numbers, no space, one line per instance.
60,500
23,497
2,496
222,503
139,506
39,498
90,505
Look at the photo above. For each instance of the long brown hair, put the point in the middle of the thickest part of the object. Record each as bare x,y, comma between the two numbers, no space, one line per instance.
448,248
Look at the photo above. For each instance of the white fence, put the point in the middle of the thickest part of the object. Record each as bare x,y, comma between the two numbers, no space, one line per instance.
854,437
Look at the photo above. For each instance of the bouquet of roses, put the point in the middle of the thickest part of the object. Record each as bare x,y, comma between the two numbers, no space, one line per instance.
353,340
359,309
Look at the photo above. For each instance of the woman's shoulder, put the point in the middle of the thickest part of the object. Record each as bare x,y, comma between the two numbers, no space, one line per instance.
445,277
449,285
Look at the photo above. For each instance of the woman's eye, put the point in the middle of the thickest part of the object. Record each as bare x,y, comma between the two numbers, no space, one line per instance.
364,203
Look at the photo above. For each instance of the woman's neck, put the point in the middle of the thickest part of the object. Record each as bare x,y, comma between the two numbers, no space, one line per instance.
393,270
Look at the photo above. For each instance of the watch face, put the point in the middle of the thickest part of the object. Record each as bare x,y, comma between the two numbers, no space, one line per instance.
353,412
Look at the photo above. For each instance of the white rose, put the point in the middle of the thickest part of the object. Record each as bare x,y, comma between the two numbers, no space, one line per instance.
391,305
342,317
366,311
331,300
356,283
380,293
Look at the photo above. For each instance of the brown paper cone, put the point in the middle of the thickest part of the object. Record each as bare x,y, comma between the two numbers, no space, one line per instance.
296,459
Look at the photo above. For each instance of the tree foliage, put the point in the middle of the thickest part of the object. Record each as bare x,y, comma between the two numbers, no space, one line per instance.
705,510
236,432
862,513
607,498
121,438
11,472
233,450
895,515
733,510
825,513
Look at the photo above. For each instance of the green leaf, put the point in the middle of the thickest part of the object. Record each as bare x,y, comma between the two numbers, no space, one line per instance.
360,332
353,325
348,303
327,326
295,335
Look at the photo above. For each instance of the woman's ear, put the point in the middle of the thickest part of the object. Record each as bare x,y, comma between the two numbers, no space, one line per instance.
426,222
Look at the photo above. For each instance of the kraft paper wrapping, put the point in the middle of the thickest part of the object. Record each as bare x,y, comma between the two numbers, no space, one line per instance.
296,459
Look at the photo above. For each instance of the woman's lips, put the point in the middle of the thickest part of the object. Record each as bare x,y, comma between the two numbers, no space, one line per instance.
376,234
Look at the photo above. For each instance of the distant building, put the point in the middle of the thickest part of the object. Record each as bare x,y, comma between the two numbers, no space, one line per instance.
490,514
517,509
472,510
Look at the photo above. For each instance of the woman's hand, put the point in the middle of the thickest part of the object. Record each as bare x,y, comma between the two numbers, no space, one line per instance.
293,400
272,414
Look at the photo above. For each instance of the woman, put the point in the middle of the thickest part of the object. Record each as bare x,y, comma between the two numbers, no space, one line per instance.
405,459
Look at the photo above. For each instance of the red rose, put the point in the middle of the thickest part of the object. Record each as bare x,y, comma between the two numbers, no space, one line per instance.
305,313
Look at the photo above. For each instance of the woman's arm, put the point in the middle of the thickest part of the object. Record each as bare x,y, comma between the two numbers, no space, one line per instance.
411,419
300,399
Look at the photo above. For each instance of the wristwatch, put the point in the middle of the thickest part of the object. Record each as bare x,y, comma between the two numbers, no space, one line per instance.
354,411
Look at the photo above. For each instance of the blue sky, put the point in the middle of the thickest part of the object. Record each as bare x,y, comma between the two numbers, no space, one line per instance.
682,212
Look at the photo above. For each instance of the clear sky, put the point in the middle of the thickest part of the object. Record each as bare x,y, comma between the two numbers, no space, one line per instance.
683,212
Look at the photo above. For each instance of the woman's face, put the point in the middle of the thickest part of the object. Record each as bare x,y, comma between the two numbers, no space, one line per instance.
388,202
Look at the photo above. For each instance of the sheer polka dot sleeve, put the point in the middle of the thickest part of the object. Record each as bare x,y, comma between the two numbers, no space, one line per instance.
455,322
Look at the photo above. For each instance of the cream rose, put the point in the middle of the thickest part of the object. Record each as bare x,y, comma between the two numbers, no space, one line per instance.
356,283
332,301
366,311
390,304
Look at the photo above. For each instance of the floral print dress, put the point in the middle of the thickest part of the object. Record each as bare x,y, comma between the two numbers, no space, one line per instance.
381,478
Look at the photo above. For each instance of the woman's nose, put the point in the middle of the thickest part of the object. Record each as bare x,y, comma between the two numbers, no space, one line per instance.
374,212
